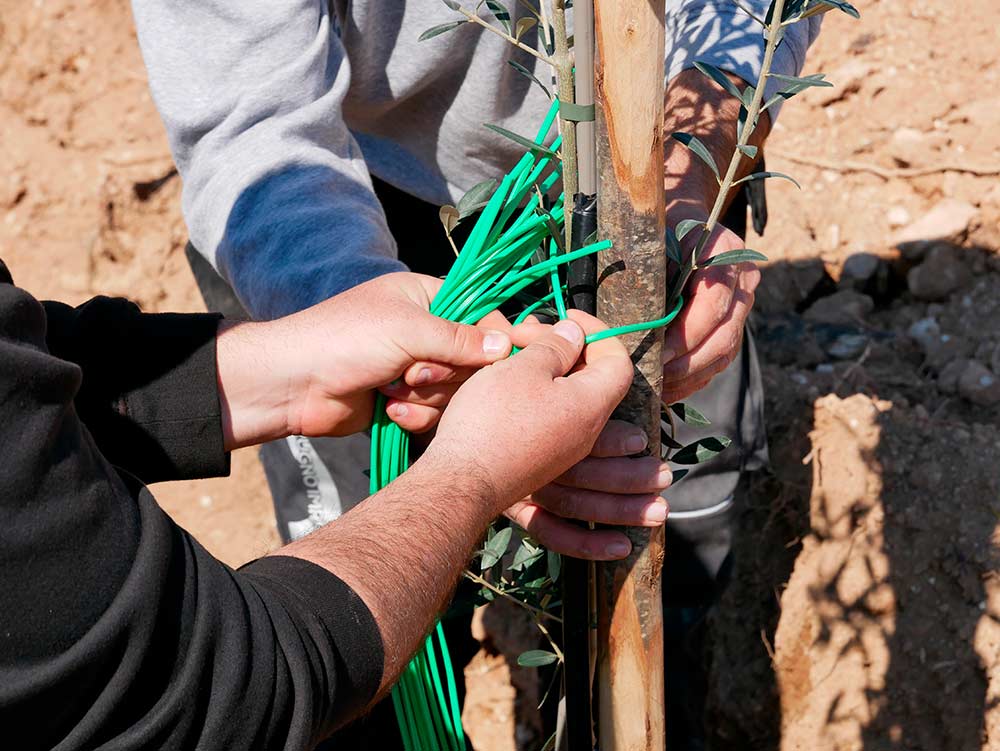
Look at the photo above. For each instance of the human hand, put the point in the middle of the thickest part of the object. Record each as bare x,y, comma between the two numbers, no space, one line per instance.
315,372
708,333
608,487
520,423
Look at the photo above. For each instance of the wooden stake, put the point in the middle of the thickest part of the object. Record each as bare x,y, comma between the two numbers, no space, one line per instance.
629,98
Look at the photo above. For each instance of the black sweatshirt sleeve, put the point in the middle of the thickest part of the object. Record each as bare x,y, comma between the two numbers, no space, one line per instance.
117,629
149,395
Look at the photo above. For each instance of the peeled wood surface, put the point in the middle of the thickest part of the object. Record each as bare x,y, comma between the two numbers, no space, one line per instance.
629,98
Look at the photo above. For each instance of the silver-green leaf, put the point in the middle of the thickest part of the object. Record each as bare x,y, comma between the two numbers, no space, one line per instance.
500,12
526,143
536,658
698,149
689,415
748,150
477,197
495,548
529,75
701,450
742,255
554,564
720,78
433,31
764,175
674,249
686,225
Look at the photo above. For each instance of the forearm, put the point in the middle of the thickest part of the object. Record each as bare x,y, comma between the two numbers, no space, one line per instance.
148,395
403,549
695,105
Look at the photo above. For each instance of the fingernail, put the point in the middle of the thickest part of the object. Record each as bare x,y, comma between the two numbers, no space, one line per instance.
569,331
400,410
665,477
635,443
495,343
422,377
617,549
657,513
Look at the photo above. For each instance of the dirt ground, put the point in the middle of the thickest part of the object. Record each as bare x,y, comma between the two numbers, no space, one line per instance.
865,607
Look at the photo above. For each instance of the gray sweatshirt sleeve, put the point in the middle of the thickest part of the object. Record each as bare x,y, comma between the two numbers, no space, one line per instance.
720,33
276,192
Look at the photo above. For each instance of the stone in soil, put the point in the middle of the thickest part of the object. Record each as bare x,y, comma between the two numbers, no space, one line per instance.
784,286
979,384
844,307
949,219
942,272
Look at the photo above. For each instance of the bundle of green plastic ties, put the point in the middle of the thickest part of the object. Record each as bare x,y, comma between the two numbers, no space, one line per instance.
493,267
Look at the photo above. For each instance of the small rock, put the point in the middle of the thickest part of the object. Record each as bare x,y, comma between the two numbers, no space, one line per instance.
926,332
945,349
949,219
858,270
941,273
979,385
897,217
845,306
824,368
847,346
784,286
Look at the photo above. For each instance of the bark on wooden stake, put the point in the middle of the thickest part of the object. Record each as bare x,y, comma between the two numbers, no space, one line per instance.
631,277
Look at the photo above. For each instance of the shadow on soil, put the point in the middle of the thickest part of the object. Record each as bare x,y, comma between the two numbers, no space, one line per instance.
879,518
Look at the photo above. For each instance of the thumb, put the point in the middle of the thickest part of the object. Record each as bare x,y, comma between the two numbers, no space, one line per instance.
556,351
437,340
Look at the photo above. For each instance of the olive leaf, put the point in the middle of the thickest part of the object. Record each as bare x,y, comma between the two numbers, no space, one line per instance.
525,555
451,4
500,13
748,150
449,217
689,415
719,77
674,249
823,5
686,225
433,31
677,475
523,25
795,84
764,175
522,141
699,149
553,564
477,197
529,75
733,256
536,658
701,450
495,548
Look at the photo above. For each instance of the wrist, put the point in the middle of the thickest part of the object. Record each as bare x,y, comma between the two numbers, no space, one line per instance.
470,483
253,395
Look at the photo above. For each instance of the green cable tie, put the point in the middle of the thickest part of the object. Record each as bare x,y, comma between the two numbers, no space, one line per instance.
577,113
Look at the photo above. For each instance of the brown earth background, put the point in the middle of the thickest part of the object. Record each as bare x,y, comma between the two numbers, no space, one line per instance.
864,611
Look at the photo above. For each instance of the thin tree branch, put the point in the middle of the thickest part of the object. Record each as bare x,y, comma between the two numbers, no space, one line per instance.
474,18
774,34
496,590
